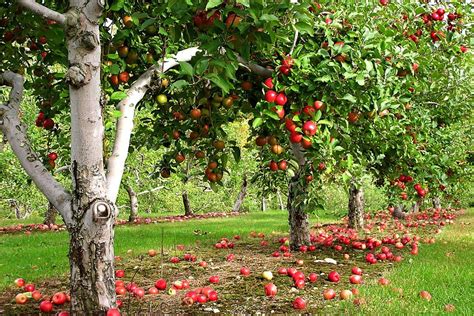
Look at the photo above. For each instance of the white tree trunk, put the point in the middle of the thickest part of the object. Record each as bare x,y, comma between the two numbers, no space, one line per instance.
356,206
133,204
437,203
241,197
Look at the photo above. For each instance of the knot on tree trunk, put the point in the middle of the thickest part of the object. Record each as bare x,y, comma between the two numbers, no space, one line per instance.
78,75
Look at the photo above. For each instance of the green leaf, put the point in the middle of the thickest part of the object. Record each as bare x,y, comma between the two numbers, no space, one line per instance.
368,65
201,66
116,114
350,98
179,84
115,69
271,114
118,95
213,3
325,122
236,153
318,115
360,79
118,5
214,187
244,3
186,68
269,17
325,78
220,82
257,122
304,28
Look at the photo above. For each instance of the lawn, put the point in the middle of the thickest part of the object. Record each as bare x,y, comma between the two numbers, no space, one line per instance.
43,255
444,269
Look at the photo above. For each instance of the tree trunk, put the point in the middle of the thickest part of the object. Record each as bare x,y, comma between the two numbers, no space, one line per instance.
133,204
356,206
263,205
398,212
91,252
297,217
280,201
437,203
241,197
187,206
50,216
415,208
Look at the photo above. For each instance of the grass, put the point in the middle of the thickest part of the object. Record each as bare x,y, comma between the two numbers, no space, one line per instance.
444,269
44,255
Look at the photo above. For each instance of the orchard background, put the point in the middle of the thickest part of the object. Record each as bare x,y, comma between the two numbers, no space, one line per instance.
128,111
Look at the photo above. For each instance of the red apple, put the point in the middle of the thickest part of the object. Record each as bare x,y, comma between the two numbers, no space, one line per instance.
21,298
355,279
46,307
59,298
329,294
333,276
425,295
113,312
161,284
214,279
245,271
299,303
312,277
270,289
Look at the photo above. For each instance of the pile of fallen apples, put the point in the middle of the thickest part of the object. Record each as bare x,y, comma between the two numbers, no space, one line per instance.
382,240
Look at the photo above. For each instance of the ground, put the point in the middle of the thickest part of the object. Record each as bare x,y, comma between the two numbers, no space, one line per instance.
442,268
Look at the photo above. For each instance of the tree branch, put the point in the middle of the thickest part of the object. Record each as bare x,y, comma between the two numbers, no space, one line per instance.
257,69
116,162
15,133
137,91
42,10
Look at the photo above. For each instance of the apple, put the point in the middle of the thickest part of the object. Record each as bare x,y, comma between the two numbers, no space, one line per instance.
383,281
29,287
318,105
310,128
178,285
291,272
282,165
20,282
384,2
299,303
139,292
355,279
113,312
312,277
245,271
161,284
124,77
270,289
172,291
46,306
21,298
299,284
36,295
201,298
268,83
267,275
281,99
152,252
463,49
273,165
282,271
270,96
212,296
48,124
333,276
59,298
329,294
345,295
425,295
63,313
214,279
119,273
357,270
296,138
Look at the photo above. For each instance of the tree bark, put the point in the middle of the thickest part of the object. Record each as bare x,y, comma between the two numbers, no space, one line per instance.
398,212
356,206
297,217
415,208
280,201
187,206
133,204
437,203
50,216
241,197
91,253
263,205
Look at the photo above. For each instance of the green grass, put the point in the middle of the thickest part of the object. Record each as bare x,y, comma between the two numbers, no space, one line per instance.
44,255
445,269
